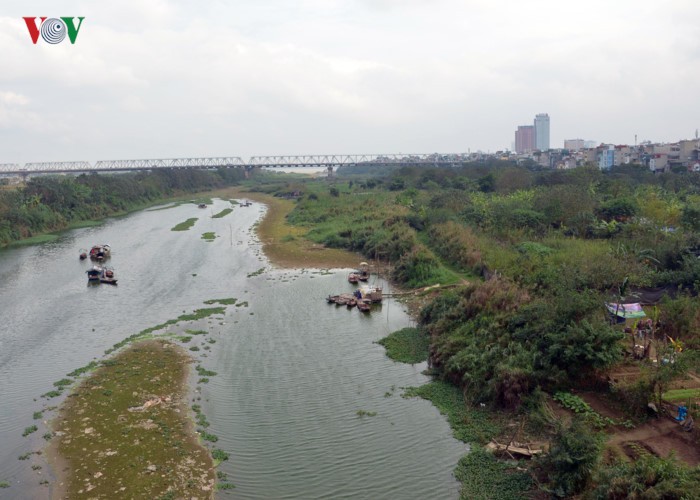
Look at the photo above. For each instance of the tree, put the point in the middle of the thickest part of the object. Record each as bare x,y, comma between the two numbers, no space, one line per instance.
572,459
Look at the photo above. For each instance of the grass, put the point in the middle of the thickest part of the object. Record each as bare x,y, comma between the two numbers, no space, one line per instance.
408,345
85,223
226,302
483,477
219,455
4,484
365,413
203,372
197,314
209,237
34,240
125,444
84,369
184,226
471,425
681,394
223,213
29,430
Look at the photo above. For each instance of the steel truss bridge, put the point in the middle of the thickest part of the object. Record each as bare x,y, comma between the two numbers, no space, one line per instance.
324,161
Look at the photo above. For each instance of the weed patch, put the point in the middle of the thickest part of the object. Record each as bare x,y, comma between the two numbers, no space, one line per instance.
184,226
408,345
223,213
470,425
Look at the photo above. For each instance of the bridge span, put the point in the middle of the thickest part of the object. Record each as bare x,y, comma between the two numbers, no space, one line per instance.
284,161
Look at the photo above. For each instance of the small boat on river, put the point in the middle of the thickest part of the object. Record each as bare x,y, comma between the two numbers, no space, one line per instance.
83,254
108,276
100,252
363,306
94,274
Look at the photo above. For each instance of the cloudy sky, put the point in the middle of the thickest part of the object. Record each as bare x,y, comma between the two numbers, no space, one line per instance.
172,78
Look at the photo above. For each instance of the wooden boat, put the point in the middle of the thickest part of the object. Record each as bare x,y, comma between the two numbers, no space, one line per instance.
107,276
202,205
94,274
83,254
351,303
331,299
363,273
363,306
353,277
100,252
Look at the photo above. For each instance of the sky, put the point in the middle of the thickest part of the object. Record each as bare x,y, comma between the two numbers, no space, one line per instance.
186,78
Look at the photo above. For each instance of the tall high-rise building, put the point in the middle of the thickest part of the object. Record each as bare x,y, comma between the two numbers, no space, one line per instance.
542,131
524,139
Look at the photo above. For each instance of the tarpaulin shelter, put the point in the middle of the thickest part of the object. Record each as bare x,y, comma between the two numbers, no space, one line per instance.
626,311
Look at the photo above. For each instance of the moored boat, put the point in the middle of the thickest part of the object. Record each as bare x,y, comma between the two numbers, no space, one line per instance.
100,252
372,294
108,276
363,273
353,277
83,254
363,306
94,273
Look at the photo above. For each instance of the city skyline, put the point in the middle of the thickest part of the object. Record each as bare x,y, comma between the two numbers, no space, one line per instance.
173,79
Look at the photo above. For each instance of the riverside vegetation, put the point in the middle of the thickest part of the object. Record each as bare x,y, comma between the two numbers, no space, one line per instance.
53,203
532,256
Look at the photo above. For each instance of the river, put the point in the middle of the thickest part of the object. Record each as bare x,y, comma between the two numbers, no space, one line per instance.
293,371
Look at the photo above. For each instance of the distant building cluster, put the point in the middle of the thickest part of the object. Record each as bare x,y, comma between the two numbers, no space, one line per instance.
533,137
657,157
532,145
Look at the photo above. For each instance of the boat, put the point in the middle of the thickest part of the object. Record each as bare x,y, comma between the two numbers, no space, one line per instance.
202,205
94,274
246,203
100,252
83,254
363,306
351,303
107,276
371,293
363,272
353,277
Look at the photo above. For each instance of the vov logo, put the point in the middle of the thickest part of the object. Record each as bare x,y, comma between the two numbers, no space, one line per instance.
53,30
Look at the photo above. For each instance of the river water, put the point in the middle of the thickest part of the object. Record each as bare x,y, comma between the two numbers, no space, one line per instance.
293,371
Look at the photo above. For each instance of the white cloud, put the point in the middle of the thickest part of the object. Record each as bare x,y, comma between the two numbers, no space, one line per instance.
271,76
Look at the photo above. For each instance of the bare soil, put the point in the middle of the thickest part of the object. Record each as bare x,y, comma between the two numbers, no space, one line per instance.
659,436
